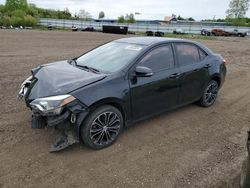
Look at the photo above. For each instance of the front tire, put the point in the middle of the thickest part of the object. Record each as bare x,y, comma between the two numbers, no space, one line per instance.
209,94
102,127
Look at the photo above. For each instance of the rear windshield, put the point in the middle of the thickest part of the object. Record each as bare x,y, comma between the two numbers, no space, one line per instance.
110,57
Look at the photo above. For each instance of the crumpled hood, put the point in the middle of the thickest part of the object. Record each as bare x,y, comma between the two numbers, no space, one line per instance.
60,78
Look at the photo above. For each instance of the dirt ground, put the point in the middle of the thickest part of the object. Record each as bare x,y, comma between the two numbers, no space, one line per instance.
188,147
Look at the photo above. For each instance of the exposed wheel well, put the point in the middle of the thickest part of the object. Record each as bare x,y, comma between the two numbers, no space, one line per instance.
217,79
119,107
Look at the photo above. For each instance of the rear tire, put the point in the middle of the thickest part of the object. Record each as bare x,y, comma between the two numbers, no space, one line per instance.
102,127
209,94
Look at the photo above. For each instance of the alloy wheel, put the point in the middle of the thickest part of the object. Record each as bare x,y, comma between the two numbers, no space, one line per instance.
211,93
105,128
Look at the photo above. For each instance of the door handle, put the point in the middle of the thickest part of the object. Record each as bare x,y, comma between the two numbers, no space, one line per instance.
175,75
207,66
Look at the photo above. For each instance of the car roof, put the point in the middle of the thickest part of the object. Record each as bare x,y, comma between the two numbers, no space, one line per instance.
152,41
147,41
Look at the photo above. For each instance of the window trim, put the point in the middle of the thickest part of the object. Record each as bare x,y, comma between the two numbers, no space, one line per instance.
155,47
200,49
191,44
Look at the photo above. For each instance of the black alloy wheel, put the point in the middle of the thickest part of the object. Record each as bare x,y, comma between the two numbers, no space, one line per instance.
102,127
105,128
210,94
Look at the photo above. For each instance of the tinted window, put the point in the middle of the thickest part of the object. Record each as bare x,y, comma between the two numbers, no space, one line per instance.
187,54
159,59
203,55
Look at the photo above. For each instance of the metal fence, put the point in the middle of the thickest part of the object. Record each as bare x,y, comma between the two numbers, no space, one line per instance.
192,28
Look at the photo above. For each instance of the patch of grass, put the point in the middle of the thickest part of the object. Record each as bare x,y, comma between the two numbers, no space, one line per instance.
41,27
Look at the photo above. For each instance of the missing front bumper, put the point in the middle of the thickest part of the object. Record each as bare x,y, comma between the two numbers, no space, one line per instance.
67,125
62,129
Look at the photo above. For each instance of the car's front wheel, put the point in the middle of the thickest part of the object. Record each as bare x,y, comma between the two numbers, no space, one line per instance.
210,94
102,127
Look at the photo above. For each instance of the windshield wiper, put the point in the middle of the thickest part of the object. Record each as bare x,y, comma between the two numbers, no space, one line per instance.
87,67
83,66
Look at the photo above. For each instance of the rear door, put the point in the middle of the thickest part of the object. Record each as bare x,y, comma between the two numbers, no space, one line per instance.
151,95
194,68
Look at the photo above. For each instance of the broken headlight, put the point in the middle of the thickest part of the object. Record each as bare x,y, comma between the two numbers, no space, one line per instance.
50,105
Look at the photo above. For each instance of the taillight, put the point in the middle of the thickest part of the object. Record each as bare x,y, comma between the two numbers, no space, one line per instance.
224,61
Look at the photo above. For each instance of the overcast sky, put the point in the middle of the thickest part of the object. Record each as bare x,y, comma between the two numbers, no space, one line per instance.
149,9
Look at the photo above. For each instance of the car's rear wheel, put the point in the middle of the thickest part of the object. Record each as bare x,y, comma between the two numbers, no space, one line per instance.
210,94
102,127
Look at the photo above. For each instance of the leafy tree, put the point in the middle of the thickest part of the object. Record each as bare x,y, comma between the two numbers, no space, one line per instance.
129,18
29,21
6,21
16,4
18,13
16,21
180,18
191,19
121,19
237,8
33,11
101,15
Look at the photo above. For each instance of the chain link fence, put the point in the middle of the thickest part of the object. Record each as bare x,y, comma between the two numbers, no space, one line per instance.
187,27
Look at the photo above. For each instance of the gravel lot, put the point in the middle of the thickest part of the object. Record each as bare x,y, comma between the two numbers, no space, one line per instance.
188,147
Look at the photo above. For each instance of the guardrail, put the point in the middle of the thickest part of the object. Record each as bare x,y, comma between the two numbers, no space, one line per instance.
139,27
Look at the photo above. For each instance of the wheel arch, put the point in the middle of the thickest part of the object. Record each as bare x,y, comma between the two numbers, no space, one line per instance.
217,79
117,103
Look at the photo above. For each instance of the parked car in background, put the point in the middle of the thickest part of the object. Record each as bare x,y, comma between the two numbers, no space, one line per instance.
50,26
236,33
88,29
74,28
179,32
149,33
205,32
220,32
94,96
159,34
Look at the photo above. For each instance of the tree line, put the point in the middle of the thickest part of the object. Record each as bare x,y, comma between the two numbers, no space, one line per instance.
19,12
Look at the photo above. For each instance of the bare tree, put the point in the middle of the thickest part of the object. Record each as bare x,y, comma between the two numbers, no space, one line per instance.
237,8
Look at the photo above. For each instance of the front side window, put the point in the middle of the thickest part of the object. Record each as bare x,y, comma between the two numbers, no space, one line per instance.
110,57
159,59
187,54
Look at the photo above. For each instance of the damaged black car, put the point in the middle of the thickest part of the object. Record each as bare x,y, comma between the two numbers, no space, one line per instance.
91,98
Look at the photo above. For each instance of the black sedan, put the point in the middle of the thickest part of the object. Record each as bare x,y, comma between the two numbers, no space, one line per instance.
94,96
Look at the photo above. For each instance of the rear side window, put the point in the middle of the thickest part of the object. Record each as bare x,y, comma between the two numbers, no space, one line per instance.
159,58
203,54
187,54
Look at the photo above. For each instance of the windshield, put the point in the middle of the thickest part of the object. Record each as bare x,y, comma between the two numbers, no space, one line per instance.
110,57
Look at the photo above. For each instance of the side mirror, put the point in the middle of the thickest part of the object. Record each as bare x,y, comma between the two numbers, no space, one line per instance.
141,71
